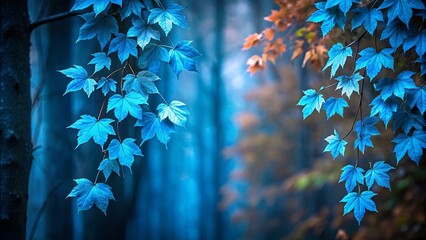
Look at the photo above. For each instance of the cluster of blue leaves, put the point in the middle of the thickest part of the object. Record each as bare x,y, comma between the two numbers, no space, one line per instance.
397,96
146,25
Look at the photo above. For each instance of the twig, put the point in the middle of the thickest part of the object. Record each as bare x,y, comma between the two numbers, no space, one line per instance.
55,18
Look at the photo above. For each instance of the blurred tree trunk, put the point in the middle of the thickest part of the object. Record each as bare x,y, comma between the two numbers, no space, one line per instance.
15,109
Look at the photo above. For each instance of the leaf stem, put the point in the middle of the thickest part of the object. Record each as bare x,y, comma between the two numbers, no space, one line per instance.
97,175
102,108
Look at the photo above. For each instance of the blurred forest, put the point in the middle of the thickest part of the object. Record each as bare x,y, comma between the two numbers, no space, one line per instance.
246,166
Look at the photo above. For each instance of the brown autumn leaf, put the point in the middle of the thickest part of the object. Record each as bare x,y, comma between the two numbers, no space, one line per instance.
298,49
272,50
269,33
255,63
278,18
252,40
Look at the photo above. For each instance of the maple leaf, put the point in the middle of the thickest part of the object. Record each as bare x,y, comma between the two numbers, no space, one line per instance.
88,194
98,5
154,126
374,61
167,17
100,60
278,18
417,40
351,175
349,84
90,127
359,203
337,57
379,175
335,145
125,151
344,5
181,57
396,31
255,63
272,50
109,165
402,9
130,103
395,87
131,6
152,57
269,33
142,83
407,120
365,129
80,80
252,40
124,45
101,26
385,108
411,144
176,112
417,97
334,105
367,17
329,17
311,101
106,85
144,32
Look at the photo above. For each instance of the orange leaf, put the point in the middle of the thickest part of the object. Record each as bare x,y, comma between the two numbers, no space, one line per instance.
255,63
252,40
269,33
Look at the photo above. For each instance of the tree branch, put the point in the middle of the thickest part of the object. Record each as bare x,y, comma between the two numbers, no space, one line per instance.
54,18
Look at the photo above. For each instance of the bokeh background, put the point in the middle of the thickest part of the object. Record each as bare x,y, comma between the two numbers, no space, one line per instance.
246,167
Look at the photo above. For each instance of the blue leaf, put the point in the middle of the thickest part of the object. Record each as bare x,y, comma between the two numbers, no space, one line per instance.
125,47
131,6
379,175
401,9
329,17
88,194
176,112
417,40
106,85
407,120
124,151
335,145
80,80
130,103
101,26
349,84
334,105
395,87
368,18
417,97
152,57
411,144
154,126
144,32
167,17
337,57
374,61
396,31
352,175
422,61
385,108
98,5
365,132
359,203
311,101
181,57
344,5
90,127
107,166
142,83
100,60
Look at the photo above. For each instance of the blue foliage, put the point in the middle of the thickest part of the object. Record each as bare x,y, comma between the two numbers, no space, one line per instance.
344,5
417,97
374,61
167,17
88,194
407,120
181,57
329,17
176,112
81,80
396,31
359,203
337,57
417,40
124,45
142,83
385,108
379,175
351,176
90,127
390,87
334,105
98,5
125,151
129,103
401,9
152,57
311,101
131,6
101,60
365,130
154,126
349,84
412,144
335,145
367,17
107,166
101,26
107,85
144,32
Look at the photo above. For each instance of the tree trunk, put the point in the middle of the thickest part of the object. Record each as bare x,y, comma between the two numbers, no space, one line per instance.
15,120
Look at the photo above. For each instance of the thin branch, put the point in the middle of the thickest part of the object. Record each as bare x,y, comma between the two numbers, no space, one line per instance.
55,18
